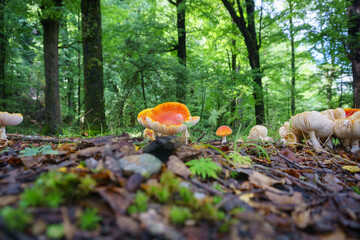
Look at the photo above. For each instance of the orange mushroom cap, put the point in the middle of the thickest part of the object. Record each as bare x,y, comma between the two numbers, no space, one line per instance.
168,118
223,131
194,120
350,111
142,117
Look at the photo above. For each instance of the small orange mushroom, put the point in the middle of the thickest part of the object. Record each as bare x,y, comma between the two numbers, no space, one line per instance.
222,132
149,134
169,118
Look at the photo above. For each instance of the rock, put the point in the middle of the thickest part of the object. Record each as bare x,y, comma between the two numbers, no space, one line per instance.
163,147
176,166
154,224
145,164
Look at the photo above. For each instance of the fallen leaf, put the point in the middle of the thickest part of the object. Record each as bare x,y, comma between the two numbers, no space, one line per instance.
177,166
286,202
9,199
302,219
262,181
352,169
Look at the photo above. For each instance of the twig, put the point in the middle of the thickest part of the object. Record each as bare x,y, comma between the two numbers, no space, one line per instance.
41,139
309,185
204,186
201,137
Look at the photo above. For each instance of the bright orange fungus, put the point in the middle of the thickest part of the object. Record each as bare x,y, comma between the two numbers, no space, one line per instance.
170,113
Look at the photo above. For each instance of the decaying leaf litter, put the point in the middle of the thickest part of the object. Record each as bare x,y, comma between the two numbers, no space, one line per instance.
286,192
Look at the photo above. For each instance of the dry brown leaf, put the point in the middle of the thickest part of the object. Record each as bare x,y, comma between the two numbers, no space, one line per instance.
301,219
9,199
176,166
296,199
262,181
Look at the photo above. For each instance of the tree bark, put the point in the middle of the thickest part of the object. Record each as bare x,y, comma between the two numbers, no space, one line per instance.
52,112
247,28
93,65
293,70
181,78
354,46
3,44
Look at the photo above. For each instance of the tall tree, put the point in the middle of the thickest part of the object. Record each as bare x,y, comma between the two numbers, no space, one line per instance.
354,46
93,64
293,70
181,47
3,43
248,30
50,19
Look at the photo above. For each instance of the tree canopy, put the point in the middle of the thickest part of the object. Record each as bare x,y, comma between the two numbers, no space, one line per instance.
238,62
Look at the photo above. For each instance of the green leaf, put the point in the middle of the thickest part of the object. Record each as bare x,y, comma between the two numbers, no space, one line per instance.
204,167
48,150
29,152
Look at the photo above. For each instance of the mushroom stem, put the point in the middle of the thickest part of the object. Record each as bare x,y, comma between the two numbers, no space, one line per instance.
223,139
329,142
314,140
355,145
186,134
2,132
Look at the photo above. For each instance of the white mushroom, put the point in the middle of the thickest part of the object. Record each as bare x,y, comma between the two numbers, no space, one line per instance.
315,124
348,129
8,119
334,114
257,132
286,134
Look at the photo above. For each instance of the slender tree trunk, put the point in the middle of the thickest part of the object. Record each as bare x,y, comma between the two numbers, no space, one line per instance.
247,28
69,76
52,99
143,89
181,78
354,46
93,64
293,70
3,44
79,70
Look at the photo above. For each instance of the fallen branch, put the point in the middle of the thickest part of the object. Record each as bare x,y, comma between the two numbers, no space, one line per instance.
41,139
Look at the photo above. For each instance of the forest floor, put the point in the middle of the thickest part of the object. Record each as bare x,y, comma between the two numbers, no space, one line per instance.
81,191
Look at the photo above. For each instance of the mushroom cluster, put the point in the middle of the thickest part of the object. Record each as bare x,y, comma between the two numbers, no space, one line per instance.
322,126
167,119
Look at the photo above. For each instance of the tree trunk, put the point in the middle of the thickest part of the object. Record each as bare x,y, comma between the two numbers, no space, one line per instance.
293,71
354,46
52,99
79,71
69,76
3,44
247,28
93,65
181,78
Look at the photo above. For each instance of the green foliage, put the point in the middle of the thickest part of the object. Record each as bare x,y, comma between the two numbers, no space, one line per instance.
89,219
140,203
178,215
356,189
16,219
186,195
238,158
259,148
55,231
54,188
204,167
33,151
